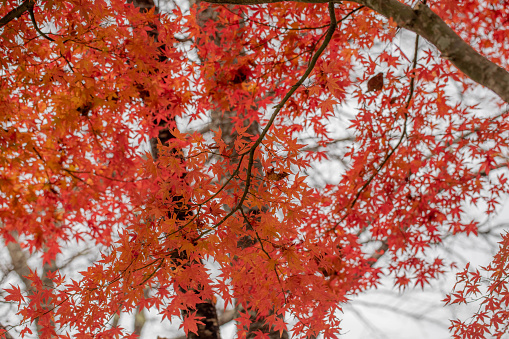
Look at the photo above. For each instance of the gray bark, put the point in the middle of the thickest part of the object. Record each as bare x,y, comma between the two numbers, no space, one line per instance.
20,266
19,263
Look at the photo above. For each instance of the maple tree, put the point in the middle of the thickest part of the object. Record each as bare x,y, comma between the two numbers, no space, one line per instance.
85,83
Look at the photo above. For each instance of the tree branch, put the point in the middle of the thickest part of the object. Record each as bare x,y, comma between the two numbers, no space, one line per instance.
224,318
17,12
34,22
260,2
278,107
423,21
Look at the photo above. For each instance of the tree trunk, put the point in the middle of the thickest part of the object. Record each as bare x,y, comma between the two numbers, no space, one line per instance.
206,310
224,120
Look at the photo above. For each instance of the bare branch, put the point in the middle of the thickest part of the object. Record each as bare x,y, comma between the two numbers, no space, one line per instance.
34,22
251,151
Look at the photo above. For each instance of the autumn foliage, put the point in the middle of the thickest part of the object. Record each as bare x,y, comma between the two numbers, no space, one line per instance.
85,84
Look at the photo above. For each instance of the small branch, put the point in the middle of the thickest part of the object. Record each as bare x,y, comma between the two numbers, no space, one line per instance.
32,17
382,249
260,2
426,23
273,26
393,150
264,251
399,311
336,141
6,334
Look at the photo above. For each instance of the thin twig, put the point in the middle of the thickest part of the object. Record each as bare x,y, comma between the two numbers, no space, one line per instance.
272,26
393,150
266,253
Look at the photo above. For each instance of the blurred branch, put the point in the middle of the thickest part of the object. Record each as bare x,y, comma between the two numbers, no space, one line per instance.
19,263
75,256
139,317
382,249
333,142
415,316
6,334
227,316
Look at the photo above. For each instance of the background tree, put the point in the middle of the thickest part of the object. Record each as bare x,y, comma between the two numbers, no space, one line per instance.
84,83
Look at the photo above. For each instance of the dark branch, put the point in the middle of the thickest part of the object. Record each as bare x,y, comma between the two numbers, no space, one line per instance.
6,334
32,17
17,12
260,2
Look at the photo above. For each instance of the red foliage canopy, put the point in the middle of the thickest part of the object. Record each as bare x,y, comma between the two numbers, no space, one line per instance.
83,83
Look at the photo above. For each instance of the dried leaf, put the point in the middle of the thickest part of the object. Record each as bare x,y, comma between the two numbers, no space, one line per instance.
272,175
376,83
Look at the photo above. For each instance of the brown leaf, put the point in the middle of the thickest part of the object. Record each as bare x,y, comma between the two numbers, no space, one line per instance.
376,83
272,175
